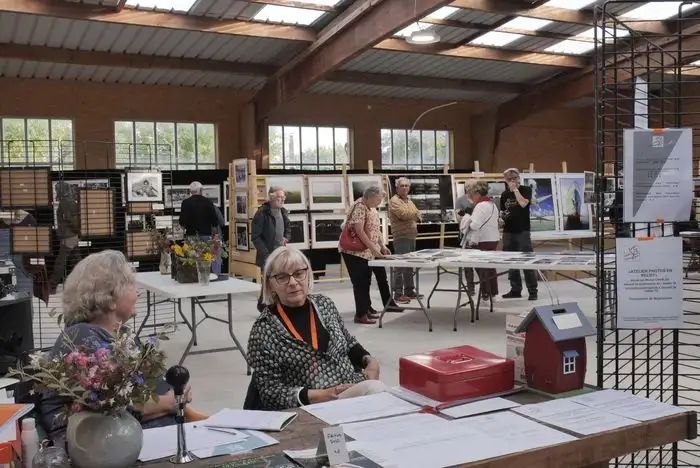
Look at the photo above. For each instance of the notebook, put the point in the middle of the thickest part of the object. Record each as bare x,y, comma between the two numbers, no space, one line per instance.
250,419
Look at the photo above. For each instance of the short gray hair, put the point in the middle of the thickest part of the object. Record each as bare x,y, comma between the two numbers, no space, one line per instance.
278,262
402,179
511,171
195,187
95,285
372,191
273,190
479,186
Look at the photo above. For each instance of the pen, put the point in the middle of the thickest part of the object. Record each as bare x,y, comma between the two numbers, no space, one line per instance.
225,431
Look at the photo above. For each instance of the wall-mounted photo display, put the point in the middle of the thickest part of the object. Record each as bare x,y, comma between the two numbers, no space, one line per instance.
96,212
544,211
300,231
576,214
242,237
174,195
213,193
25,188
163,222
293,186
240,205
433,195
240,173
78,184
144,187
135,222
227,214
227,191
326,193
358,183
588,187
325,230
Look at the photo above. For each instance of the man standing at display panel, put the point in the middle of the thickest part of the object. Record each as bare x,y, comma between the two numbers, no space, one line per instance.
200,218
404,218
515,209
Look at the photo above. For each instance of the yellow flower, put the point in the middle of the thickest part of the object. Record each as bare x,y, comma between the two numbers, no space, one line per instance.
208,257
178,250
186,248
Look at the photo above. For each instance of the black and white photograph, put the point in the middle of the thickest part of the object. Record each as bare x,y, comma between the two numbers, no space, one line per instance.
135,223
326,229
358,183
227,214
213,193
432,195
326,193
294,192
78,184
240,173
174,195
144,187
240,205
242,237
300,231
163,222
227,191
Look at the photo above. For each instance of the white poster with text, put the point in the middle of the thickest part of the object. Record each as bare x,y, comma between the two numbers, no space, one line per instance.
649,283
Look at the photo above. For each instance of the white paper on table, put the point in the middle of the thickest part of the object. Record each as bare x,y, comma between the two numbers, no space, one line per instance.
378,405
161,442
7,381
574,417
479,407
394,429
627,405
254,441
413,397
249,419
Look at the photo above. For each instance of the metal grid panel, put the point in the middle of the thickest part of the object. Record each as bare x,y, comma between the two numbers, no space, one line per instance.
354,89
403,63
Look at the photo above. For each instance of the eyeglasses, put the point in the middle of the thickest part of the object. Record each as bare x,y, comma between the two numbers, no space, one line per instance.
299,276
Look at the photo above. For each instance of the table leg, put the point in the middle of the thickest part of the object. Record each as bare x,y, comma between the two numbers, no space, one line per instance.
229,303
460,271
148,313
391,296
420,301
437,283
194,322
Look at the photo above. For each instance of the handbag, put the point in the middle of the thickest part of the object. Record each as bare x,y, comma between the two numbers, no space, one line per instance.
470,235
348,238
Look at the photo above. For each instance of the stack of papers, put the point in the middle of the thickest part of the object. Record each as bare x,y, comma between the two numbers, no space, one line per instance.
379,405
396,428
253,441
488,405
627,405
249,419
161,442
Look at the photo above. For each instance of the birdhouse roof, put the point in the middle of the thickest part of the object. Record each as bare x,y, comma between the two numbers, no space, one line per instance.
562,321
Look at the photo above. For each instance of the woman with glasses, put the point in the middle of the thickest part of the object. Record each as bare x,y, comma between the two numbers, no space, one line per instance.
299,347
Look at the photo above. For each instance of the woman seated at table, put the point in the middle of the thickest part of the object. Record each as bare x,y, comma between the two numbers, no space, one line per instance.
299,347
99,296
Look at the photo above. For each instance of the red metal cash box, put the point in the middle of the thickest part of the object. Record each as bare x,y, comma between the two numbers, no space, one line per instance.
457,373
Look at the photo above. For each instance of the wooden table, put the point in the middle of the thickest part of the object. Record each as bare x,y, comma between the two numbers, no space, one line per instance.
594,451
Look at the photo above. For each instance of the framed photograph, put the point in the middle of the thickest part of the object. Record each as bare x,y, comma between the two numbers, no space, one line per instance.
576,214
300,231
326,229
174,194
544,210
163,222
293,187
78,184
358,183
227,191
213,193
135,222
240,173
588,187
433,195
326,193
144,187
240,205
227,214
242,237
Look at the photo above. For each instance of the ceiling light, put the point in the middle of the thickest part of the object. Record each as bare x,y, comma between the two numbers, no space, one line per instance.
423,37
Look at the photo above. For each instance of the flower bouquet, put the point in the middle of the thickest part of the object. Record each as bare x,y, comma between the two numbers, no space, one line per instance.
161,244
194,258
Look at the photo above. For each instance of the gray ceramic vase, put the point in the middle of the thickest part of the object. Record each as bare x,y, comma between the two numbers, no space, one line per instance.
98,441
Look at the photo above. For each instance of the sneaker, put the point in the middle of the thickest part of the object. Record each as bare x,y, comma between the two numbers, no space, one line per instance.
532,296
403,299
513,295
413,295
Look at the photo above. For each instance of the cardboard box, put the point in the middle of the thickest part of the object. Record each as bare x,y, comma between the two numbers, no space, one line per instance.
515,345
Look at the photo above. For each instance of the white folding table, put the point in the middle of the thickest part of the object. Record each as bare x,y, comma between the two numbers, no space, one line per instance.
156,283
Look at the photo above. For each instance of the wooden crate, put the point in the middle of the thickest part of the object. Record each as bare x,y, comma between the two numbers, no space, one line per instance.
25,188
32,240
96,212
139,244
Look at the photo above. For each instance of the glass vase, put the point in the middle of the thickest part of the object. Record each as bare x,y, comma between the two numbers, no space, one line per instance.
203,272
165,263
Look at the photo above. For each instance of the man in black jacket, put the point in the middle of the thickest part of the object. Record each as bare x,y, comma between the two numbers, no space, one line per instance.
270,229
198,215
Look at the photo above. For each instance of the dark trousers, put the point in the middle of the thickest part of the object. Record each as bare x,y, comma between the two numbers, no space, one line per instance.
361,275
403,277
487,276
520,242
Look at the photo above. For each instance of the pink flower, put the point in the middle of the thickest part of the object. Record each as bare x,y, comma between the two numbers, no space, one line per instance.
86,382
82,360
75,408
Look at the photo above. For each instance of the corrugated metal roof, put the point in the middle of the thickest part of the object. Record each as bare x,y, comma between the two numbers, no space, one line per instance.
222,9
473,16
404,63
355,89
107,3
450,35
69,72
120,38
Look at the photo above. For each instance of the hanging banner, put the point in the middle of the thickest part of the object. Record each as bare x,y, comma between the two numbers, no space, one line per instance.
658,174
649,283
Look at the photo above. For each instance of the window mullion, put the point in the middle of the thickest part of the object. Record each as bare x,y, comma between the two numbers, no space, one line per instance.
196,149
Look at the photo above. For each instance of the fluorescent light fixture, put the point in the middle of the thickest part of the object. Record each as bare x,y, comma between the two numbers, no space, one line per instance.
526,24
288,15
496,39
423,36
167,5
411,28
441,13
657,11
571,47
569,4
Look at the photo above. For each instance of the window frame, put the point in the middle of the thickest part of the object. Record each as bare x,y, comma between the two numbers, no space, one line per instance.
54,165
569,365
423,166
174,163
305,166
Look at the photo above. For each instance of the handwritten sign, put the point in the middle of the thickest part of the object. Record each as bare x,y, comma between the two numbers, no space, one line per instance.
333,445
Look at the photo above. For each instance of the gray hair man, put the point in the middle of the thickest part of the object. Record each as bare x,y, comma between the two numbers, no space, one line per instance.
270,228
201,218
515,209
404,218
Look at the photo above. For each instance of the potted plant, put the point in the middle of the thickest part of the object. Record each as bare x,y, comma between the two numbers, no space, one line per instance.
102,385
195,256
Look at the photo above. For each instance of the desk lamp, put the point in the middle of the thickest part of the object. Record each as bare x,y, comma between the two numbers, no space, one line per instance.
177,377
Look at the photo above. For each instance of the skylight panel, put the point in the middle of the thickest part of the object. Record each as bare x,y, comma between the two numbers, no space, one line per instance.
288,15
526,24
182,6
657,11
609,33
496,39
443,13
569,4
571,47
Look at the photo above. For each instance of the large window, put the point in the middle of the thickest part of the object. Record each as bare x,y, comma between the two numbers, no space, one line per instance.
37,142
309,148
415,150
168,145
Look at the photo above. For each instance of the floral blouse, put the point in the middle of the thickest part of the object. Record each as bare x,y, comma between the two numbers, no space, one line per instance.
359,213
283,365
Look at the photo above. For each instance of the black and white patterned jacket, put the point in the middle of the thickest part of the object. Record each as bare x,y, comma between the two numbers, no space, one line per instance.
284,365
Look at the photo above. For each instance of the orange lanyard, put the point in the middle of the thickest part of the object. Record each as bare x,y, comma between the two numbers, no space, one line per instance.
294,332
